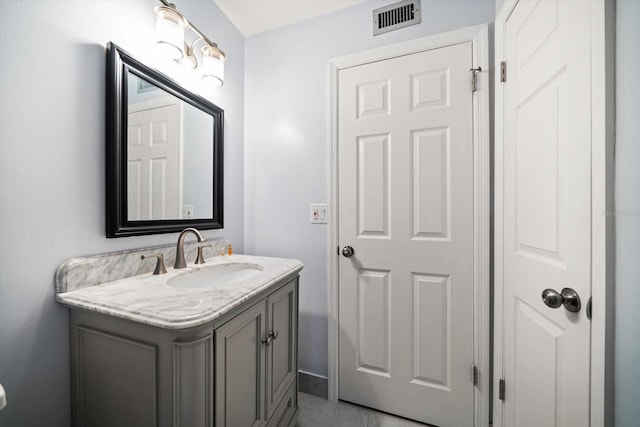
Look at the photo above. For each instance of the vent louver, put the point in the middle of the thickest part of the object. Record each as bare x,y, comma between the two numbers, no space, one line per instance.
395,16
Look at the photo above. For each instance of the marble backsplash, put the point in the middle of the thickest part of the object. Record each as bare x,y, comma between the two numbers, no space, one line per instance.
83,272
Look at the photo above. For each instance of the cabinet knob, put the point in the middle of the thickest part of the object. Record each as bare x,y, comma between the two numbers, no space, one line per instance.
274,335
267,341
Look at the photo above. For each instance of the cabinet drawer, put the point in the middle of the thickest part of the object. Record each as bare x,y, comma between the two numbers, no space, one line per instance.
284,414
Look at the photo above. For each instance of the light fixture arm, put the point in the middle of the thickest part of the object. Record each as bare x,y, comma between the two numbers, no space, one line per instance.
193,44
171,26
199,33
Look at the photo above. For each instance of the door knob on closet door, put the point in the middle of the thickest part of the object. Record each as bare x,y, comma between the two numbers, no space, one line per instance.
347,251
567,297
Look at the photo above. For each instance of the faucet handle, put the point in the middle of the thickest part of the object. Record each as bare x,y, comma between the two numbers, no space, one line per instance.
159,264
200,257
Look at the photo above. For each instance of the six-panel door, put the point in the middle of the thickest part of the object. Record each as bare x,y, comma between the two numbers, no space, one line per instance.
406,203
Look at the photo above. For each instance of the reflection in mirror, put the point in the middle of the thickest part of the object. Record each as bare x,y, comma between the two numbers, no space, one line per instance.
164,152
169,155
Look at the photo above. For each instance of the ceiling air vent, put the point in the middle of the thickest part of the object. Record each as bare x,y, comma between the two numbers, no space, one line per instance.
397,15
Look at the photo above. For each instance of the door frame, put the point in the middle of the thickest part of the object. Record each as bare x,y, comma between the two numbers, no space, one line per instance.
479,38
602,226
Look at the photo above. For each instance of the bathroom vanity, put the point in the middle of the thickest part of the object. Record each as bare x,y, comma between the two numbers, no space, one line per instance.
208,345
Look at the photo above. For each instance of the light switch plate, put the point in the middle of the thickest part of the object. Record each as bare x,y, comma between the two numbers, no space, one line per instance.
318,213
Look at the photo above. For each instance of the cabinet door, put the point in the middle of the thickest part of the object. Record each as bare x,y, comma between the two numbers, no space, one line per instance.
282,352
240,376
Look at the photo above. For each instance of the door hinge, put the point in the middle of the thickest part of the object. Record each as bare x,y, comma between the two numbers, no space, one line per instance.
503,71
475,375
501,390
474,78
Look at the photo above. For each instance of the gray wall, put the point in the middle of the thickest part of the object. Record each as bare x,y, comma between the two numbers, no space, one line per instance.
627,201
52,127
287,139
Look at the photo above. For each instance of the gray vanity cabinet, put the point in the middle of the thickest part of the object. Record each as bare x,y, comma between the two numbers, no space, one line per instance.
256,362
237,371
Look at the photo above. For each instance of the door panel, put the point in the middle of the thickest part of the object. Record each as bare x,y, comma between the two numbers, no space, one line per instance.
373,186
429,89
153,157
373,347
373,98
539,350
547,215
430,183
406,207
431,330
540,211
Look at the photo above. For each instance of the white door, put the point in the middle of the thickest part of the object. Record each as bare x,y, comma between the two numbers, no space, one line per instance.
405,150
153,163
547,212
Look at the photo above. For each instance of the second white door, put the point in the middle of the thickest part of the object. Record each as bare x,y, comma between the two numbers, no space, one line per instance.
153,163
546,233
406,206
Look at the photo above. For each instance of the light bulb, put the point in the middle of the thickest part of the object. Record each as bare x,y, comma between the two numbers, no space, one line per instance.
213,66
170,27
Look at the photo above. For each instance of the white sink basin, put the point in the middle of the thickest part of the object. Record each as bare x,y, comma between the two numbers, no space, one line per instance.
216,275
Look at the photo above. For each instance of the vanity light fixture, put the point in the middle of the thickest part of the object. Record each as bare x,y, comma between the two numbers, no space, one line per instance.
171,26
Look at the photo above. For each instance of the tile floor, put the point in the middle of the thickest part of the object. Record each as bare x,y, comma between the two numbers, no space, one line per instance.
318,412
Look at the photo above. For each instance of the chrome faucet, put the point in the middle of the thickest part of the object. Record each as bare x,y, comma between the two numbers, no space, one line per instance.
180,262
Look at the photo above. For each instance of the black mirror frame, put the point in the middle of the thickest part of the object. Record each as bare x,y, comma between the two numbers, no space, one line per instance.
117,222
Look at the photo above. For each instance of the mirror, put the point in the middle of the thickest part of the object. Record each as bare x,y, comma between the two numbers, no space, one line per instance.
164,152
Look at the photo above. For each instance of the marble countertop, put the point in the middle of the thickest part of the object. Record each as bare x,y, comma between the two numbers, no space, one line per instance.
148,299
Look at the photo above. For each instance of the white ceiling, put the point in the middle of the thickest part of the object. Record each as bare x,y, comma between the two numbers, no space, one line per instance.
256,16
